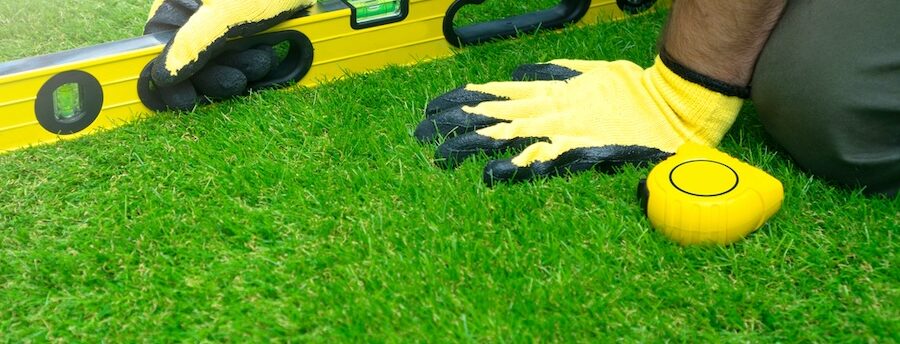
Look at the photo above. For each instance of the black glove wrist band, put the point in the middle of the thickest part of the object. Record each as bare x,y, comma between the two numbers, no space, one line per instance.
703,80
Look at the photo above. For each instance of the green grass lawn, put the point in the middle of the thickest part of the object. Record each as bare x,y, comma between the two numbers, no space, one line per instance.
312,214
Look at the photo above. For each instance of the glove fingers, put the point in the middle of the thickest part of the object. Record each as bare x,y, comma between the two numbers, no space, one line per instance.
451,123
559,150
227,77
204,34
541,126
219,82
466,119
190,49
601,158
514,109
213,82
521,89
543,71
169,15
542,152
582,66
255,63
232,73
458,98
473,94
154,8
181,97
556,69
456,150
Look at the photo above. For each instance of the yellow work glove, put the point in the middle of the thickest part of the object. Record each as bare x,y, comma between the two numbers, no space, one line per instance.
203,26
582,115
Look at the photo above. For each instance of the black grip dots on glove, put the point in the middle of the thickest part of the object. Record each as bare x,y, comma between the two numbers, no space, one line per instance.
195,66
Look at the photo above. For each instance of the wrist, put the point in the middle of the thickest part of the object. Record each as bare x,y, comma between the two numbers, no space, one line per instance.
701,114
708,82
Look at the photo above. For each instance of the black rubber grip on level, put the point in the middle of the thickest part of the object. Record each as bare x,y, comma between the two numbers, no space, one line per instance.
567,11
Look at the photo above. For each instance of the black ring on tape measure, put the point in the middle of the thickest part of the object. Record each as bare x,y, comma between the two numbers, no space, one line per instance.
737,178
90,97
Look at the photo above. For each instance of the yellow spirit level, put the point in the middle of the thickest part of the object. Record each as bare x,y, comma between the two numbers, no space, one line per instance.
77,92
703,196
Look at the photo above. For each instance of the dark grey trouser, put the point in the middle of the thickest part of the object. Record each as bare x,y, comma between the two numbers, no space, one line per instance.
827,88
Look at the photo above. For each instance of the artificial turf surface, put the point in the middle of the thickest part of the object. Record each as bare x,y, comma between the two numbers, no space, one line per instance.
311,214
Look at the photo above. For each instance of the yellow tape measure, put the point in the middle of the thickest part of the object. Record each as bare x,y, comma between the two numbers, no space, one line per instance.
703,196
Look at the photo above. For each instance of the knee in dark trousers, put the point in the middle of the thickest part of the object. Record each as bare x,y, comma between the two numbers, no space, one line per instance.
827,88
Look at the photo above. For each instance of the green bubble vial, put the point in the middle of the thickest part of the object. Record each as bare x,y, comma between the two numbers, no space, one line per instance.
372,10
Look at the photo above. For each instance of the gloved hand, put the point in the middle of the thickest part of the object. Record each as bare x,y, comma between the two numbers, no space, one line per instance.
580,115
203,28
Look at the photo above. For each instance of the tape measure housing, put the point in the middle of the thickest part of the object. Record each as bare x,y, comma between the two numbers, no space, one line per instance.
703,196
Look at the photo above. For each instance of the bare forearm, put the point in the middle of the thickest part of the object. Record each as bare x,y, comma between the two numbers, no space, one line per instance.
720,39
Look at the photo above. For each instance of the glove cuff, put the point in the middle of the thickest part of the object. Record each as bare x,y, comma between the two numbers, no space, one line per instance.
712,84
701,115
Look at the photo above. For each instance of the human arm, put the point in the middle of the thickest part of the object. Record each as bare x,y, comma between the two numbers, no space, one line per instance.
720,39
605,114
